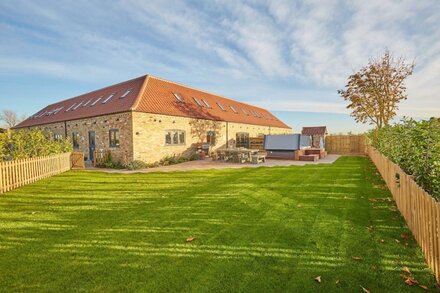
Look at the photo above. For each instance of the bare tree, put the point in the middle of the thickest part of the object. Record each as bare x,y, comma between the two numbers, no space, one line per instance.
375,91
10,118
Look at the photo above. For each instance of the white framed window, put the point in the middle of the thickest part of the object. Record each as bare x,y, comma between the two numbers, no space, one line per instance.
175,137
97,100
125,94
57,136
233,109
108,98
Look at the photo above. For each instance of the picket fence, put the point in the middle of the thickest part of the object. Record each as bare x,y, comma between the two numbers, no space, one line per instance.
17,173
420,210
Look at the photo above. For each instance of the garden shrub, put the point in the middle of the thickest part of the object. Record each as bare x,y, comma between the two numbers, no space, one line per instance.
135,165
108,162
415,147
23,144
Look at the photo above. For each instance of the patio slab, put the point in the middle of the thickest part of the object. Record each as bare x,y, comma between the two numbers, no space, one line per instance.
210,164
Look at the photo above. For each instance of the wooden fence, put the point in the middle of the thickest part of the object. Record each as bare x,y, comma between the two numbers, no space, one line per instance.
420,210
99,157
77,159
17,173
345,144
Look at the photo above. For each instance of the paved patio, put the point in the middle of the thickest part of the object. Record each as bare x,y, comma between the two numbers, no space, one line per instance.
210,164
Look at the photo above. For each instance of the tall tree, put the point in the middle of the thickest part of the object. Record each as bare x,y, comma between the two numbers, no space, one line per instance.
375,91
10,118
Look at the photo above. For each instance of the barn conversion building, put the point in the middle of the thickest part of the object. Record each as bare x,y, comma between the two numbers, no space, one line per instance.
148,118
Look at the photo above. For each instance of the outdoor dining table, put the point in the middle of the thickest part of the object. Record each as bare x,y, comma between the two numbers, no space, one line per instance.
238,154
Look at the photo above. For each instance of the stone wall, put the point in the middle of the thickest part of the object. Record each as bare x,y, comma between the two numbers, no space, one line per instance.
142,135
149,134
101,125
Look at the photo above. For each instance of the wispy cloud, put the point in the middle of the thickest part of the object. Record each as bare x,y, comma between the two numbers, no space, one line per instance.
281,54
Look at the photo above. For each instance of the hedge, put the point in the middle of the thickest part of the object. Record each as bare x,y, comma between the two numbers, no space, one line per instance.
415,147
23,144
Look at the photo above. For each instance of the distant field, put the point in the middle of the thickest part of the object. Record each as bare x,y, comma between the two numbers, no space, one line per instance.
255,229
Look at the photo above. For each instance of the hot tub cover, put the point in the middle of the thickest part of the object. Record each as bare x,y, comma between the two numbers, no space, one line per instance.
290,142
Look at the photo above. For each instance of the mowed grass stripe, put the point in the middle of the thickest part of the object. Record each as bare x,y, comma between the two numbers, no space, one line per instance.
256,229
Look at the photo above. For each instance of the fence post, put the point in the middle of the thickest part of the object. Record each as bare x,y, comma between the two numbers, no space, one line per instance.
14,174
419,209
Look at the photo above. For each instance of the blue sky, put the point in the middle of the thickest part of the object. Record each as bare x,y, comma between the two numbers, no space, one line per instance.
290,57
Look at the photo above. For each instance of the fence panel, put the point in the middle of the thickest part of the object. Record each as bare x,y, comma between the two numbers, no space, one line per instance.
420,210
17,173
345,144
77,159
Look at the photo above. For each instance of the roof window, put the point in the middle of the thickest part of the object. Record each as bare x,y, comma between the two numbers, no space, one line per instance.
86,103
108,98
77,106
245,111
179,97
198,102
221,106
68,109
125,94
97,100
233,109
206,103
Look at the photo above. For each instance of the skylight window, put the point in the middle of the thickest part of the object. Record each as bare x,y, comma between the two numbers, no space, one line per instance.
221,106
68,109
86,103
57,110
77,106
206,103
198,102
97,100
253,113
233,109
108,98
179,97
125,94
245,111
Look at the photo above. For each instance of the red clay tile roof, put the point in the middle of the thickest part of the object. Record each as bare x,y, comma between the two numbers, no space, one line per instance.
88,105
315,130
153,95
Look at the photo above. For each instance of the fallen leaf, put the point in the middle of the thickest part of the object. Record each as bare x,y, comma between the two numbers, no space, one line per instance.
397,240
365,290
318,279
190,239
370,228
382,241
299,205
406,269
356,257
404,236
372,200
424,287
337,282
409,280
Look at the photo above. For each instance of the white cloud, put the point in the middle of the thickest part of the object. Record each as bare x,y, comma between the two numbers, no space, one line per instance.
248,49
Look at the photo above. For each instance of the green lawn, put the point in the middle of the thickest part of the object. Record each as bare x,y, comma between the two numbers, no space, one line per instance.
255,229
